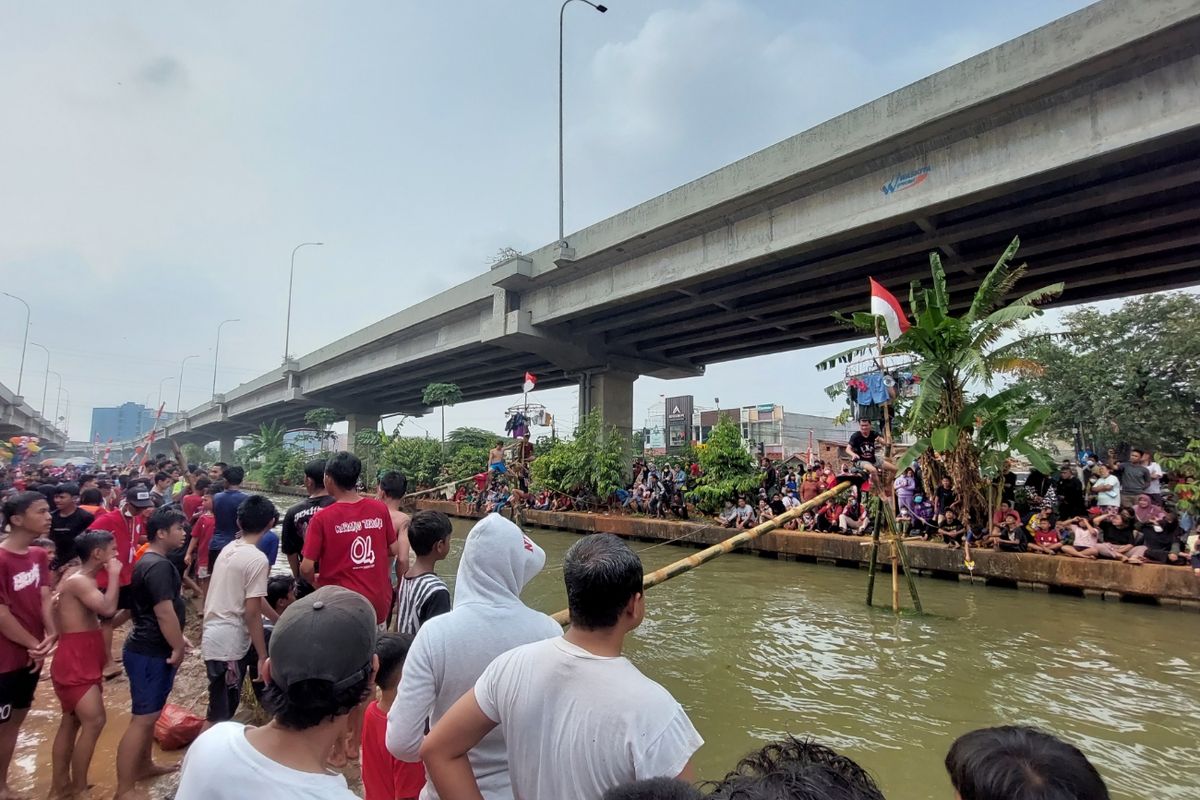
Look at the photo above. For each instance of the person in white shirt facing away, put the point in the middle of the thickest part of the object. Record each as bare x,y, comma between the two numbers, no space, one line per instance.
577,717
452,650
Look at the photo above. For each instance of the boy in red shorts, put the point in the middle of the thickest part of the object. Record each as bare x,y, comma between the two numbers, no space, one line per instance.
78,665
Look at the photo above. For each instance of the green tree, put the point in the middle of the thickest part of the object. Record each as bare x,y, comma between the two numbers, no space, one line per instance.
470,437
593,462
953,353
1185,468
268,439
442,394
195,454
418,458
321,420
1131,375
727,468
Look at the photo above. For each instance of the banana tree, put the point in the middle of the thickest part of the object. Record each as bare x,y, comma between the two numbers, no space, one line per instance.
952,353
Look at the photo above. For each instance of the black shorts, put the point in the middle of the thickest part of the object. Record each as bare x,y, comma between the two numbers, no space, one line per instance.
16,691
224,688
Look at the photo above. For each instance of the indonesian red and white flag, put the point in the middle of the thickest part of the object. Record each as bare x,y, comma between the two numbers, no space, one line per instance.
530,382
884,304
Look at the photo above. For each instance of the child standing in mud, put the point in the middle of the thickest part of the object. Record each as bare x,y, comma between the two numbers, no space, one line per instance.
78,665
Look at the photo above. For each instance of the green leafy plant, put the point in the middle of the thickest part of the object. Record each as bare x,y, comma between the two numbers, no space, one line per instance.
593,462
1185,470
442,394
954,352
727,468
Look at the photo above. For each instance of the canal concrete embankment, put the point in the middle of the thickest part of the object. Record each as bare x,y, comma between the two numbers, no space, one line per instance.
1107,580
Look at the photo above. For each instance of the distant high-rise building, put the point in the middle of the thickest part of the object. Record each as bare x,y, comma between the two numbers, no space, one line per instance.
124,422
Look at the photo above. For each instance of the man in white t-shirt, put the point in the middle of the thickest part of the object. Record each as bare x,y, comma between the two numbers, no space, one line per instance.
578,718
321,666
234,607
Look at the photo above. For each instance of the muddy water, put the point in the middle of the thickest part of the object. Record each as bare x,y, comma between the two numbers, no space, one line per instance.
755,648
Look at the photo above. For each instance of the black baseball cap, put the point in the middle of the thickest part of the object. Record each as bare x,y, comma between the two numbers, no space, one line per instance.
139,497
328,635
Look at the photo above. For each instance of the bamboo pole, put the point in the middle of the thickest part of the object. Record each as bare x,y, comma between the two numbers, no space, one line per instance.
721,548
441,488
908,574
896,574
873,560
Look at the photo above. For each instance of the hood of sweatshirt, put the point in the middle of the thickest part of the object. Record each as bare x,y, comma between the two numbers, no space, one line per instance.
498,560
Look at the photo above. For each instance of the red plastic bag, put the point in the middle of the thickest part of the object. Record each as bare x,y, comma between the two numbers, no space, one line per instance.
176,727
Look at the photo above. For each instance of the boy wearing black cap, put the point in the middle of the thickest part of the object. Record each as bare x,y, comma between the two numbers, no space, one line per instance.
322,660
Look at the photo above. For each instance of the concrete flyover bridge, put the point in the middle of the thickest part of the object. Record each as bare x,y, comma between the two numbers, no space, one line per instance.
17,418
1082,136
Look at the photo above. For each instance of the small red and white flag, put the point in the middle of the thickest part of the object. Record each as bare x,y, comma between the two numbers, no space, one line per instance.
884,304
530,382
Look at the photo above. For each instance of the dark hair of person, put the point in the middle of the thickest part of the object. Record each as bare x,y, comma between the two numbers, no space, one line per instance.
67,488
1137,450
85,477
315,471
161,476
797,769
343,469
161,520
602,574
279,587
653,789
215,488
88,542
202,483
47,490
426,529
234,476
392,649
1013,762
91,497
21,502
393,484
222,465
306,704
256,514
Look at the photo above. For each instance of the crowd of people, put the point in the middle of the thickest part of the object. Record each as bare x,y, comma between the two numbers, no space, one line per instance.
361,653
1113,508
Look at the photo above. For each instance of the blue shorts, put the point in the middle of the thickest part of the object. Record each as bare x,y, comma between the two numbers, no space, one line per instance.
498,467
150,681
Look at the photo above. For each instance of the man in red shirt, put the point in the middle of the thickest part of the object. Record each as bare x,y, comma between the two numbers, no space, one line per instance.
128,527
354,541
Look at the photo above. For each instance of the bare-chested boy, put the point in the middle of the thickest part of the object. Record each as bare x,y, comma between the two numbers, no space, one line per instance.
78,666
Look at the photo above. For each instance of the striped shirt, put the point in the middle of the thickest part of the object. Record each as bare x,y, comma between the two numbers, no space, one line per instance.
419,599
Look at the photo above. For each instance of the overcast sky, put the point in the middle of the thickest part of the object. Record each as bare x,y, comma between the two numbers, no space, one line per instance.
160,160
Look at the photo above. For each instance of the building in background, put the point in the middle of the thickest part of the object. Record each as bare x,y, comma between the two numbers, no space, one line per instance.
125,422
767,428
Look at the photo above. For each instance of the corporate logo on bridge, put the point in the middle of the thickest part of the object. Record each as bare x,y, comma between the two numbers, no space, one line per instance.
907,180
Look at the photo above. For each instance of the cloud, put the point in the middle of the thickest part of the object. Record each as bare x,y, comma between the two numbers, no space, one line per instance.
162,72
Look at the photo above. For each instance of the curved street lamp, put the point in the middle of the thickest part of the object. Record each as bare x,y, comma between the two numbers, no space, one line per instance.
25,345
287,330
217,352
46,379
179,394
562,239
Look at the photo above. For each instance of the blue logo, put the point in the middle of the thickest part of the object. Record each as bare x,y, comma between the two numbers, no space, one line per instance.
907,180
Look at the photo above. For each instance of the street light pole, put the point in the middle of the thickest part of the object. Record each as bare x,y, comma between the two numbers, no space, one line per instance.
160,387
66,428
562,239
287,330
217,353
21,372
179,394
57,396
46,379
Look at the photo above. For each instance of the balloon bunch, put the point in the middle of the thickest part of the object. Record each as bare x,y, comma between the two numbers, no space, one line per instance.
19,448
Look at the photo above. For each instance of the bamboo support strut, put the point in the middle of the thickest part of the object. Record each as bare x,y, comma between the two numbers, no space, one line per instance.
721,548
441,488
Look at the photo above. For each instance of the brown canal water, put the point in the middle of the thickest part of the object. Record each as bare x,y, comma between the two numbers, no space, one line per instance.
755,648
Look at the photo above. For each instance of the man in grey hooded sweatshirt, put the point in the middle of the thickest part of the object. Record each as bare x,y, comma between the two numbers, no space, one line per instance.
452,650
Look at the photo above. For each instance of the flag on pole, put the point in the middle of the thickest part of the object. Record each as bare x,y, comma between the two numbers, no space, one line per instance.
884,304
530,382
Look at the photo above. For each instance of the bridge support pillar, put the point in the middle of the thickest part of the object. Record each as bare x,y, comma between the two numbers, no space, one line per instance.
226,448
611,394
356,423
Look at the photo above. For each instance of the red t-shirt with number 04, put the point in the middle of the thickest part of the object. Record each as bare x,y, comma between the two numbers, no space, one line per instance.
352,542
